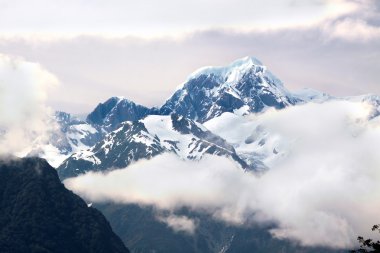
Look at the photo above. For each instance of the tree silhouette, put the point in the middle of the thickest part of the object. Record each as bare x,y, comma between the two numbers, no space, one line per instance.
368,245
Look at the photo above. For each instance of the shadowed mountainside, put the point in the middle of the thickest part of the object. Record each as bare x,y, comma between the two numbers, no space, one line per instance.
38,214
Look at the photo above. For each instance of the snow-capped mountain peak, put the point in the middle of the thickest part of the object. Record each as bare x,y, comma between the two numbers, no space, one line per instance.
242,87
211,91
230,71
111,113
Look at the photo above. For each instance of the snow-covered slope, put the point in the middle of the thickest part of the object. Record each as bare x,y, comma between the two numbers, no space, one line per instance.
146,138
310,95
69,135
73,135
119,148
254,144
245,84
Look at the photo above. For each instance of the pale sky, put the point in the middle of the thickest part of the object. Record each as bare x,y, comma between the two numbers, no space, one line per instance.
154,18
144,49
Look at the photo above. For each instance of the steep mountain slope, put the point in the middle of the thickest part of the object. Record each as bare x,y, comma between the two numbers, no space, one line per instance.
147,138
110,114
37,214
78,133
245,84
189,139
118,149
71,134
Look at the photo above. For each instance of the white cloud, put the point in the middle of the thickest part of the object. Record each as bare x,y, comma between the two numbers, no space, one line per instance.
325,192
352,30
179,223
23,114
148,182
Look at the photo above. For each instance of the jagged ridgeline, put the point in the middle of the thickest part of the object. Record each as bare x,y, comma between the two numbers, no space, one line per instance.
244,86
38,214
147,138
118,131
131,132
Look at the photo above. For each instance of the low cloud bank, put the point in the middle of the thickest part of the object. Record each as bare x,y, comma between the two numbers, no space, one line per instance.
179,223
23,115
325,191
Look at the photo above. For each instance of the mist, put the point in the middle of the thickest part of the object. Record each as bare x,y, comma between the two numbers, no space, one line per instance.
325,191
24,116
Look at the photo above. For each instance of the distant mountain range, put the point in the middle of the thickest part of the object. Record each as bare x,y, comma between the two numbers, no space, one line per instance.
119,131
245,86
205,115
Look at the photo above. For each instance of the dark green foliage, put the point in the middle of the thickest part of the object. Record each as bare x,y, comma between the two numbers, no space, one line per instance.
38,214
368,245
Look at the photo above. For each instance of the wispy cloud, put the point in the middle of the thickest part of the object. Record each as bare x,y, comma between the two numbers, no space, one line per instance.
102,67
326,190
23,112
125,48
352,30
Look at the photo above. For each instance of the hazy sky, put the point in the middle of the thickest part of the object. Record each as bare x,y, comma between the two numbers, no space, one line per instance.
144,49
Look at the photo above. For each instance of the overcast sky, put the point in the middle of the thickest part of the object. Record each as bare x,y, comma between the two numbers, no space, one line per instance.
144,49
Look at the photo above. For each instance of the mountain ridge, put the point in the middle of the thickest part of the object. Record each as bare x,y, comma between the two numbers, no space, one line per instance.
38,214
242,87
144,139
